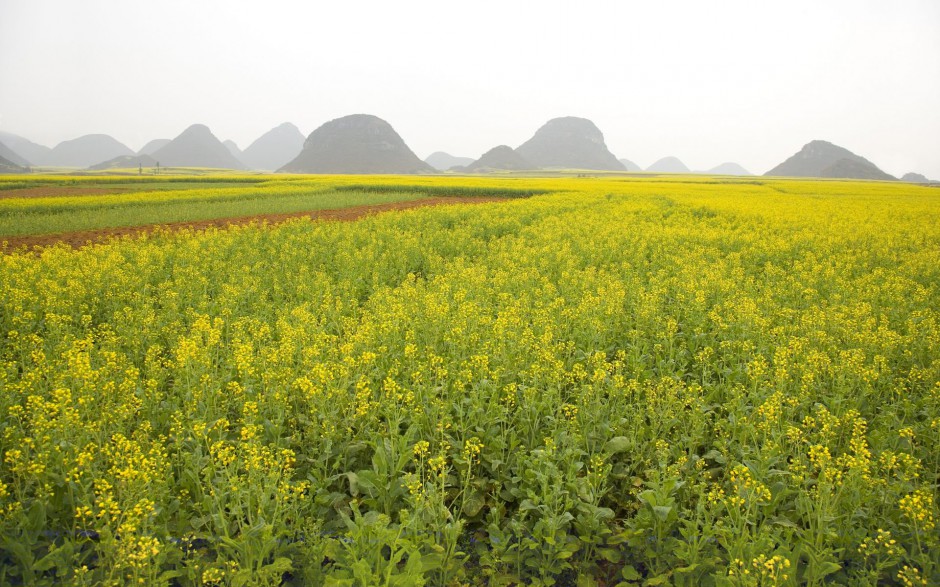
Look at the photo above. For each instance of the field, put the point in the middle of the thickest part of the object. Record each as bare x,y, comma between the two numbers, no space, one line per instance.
49,205
594,381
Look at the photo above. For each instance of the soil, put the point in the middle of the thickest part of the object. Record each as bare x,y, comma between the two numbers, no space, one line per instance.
86,237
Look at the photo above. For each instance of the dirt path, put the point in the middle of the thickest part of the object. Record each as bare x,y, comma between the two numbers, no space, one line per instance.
85,237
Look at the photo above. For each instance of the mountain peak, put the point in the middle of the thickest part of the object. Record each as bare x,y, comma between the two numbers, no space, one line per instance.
669,165
630,165
86,150
502,157
824,159
729,168
275,148
443,161
358,143
196,147
569,142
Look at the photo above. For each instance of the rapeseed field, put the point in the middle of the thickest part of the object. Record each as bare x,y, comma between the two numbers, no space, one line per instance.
612,381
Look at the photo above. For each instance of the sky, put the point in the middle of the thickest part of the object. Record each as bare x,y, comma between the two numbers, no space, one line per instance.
706,81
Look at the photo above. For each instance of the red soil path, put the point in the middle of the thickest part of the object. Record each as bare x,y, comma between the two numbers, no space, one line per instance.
85,237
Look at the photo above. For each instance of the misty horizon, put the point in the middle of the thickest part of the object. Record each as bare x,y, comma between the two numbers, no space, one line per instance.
643,167
742,83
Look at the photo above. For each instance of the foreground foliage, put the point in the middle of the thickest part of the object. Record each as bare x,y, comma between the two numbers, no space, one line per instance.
629,381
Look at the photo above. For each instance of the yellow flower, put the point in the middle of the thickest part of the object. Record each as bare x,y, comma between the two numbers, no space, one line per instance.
918,508
472,448
421,449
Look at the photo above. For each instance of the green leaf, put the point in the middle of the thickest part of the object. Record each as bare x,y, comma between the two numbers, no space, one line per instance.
618,444
630,574
36,516
662,511
825,568
241,578
368,479
715,455
431,562
786,523
611,555
649,497
473,503
353,483
167,576
281,565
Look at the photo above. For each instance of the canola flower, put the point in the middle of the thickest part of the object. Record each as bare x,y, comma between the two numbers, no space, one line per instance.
636,379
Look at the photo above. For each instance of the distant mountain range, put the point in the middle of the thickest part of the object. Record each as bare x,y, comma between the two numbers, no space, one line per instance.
153,146
823,159
914,178
81,152
669,165
443,161
196,147
85,151
630,165
728,169
568,142
7,166
275,148
125,162
12,157
917,178
25,149
362,143
234,150
501,158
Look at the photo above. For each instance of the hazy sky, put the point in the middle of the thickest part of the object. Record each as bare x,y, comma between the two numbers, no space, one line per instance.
707,81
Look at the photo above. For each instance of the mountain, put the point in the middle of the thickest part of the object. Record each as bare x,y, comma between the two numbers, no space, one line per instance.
86,150
852,169
7,166
12,157
443,161
729,169
125,162
234,150
571,143
275,148
915,178
358,143
668,165
196,147
630,165
153,146
26,149
823,159
502,157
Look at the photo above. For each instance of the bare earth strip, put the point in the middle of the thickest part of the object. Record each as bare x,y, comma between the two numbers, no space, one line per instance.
79,239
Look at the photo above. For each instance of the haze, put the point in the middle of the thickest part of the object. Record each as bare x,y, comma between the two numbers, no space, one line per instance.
707,82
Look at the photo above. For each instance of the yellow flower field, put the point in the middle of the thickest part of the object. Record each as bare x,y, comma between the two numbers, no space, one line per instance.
622,381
